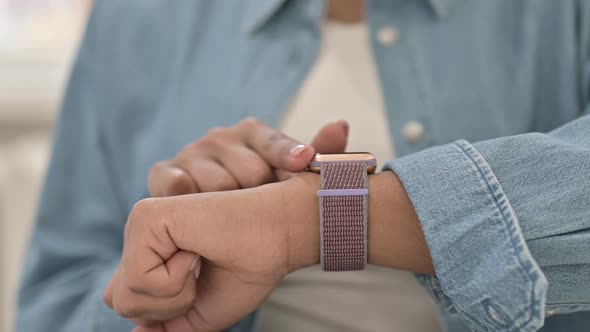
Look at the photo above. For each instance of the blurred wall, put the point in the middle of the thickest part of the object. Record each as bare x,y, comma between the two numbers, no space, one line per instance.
37,42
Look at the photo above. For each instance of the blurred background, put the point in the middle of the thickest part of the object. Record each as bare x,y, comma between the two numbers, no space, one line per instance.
38,40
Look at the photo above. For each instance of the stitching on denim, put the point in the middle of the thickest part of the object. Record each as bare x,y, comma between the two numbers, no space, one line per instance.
502,204
473,322
493,309
434,289
583,304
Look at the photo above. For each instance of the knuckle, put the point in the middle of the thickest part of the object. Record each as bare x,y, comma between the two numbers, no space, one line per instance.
163,179
213,139
187,150
256,175
142,210
179,183
145,214
162,164
217,132
249,123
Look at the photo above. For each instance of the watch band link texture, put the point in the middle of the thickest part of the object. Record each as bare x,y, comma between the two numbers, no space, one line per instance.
343,219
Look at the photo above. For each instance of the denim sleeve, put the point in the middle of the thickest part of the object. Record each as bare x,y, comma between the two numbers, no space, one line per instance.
507,222
78,235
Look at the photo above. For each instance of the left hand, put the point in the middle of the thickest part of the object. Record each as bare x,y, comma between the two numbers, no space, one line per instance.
246,155
247,241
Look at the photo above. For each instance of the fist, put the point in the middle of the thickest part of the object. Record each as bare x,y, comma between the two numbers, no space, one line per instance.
202,262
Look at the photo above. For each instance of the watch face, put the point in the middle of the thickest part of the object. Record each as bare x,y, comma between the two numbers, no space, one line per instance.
319,158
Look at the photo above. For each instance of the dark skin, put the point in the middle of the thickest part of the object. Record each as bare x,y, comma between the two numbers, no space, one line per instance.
346,11
242,242
213,255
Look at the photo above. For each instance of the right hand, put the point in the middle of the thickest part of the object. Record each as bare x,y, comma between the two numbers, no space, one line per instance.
202,262
246,155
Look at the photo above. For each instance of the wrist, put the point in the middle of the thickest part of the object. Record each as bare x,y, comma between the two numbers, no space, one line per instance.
395,236
300,209
300,214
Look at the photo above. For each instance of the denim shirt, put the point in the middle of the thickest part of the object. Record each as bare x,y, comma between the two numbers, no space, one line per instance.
500,181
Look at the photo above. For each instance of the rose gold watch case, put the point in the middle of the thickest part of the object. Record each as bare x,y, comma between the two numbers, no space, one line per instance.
320,158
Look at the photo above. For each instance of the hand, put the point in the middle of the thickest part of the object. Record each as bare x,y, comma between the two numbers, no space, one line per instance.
247,155
245,239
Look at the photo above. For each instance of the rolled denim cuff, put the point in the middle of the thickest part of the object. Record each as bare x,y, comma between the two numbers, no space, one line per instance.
484,270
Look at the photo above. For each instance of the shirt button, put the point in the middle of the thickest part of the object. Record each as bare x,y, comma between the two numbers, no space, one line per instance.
387,36
413,132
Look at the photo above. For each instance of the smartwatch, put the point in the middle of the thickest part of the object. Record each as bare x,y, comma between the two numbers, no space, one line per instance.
343,196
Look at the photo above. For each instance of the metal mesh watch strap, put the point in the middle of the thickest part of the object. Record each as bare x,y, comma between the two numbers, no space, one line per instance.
343,215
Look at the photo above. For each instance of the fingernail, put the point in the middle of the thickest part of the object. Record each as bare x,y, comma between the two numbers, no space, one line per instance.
194,264
297,150
198,268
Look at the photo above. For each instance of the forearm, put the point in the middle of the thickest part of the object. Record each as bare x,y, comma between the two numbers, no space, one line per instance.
395,236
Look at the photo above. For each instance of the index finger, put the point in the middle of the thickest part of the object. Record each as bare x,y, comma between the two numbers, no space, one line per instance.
277,149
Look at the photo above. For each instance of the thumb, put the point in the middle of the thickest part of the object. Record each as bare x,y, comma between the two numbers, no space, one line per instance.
331,138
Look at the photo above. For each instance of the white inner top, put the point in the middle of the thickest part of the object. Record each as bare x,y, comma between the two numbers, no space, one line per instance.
343,84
